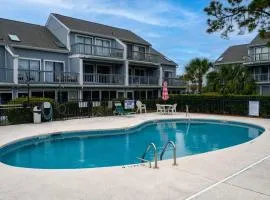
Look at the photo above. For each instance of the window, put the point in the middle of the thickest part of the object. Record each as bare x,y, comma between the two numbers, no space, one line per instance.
14,38
54,71
262,53
103,47
139,52
29,70
85,44
139,72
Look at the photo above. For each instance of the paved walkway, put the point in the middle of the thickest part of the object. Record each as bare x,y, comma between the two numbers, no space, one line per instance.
239,172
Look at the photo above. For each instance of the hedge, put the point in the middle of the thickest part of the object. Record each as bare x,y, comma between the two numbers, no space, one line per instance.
25,114
216,104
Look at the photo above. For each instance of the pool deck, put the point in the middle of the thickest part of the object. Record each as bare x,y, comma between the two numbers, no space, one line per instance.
238,172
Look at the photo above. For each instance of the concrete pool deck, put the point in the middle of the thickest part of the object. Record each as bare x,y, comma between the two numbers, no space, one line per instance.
238,172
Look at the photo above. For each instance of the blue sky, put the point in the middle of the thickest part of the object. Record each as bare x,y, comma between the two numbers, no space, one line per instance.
177,28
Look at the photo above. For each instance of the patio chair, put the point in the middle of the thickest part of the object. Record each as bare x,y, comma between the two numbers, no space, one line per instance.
119,110
173,108
160,109
140,106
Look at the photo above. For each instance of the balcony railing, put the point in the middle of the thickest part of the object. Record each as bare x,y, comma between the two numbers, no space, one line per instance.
6,75
142,56
50,77
174,82
259,57
143,80
103,79
262,77
95,50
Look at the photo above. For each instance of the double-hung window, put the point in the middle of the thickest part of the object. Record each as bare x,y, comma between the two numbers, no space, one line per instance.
262,53
29,70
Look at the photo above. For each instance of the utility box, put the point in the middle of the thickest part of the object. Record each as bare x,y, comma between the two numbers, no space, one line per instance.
37,115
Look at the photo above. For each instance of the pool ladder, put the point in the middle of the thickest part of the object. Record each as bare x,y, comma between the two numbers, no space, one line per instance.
152,145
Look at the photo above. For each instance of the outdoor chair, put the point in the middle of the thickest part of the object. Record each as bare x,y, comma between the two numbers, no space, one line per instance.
173,108
119,110
160,109
140,106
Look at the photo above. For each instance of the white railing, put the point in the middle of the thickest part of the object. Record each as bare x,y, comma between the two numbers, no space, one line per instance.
50,77
143,80
259,57
103,79
96,50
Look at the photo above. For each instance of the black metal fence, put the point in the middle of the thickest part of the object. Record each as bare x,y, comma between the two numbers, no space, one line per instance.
23,113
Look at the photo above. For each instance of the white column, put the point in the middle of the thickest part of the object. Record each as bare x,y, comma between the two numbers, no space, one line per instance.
160,75
15,70
80,94
81,71
126,72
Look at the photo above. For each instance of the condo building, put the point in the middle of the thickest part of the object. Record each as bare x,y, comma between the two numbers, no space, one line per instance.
255,56
73,59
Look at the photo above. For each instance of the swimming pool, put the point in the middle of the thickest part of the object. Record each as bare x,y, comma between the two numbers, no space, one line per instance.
89,149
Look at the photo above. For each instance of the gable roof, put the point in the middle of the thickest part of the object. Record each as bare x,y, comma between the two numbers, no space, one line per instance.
162,59
234,54
30,35
258,40
79,25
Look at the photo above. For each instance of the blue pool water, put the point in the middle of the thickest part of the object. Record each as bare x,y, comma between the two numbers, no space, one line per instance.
121,147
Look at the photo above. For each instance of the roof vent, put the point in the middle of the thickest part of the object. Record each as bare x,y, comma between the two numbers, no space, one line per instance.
220,59
14,38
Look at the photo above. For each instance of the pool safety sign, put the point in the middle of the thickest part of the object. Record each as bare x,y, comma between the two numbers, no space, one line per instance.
129,104
254,108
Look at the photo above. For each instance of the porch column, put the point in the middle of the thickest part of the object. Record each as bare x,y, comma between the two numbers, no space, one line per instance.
126,72
160,75
81,71
80,94
15,70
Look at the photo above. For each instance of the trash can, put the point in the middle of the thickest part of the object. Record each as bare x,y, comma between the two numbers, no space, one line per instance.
37,115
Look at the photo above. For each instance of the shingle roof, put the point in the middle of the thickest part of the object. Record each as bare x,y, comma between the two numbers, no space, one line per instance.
234,54
162,59
30,35
261,41
90,27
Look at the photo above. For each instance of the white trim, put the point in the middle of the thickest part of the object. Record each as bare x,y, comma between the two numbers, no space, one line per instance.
41,49
9,51
62,24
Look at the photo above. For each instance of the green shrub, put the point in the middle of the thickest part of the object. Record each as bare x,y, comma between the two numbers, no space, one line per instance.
215,104
24,114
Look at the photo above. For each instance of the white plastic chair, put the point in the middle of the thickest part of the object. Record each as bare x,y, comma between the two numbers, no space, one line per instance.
160,109
140,106
173,108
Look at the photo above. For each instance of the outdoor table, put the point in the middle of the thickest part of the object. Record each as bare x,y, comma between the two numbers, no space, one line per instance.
166,107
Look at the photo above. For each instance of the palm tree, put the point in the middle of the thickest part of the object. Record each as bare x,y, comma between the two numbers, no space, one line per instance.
231,79
196,69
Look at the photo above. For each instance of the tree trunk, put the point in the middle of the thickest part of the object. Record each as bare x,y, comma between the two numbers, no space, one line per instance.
200,85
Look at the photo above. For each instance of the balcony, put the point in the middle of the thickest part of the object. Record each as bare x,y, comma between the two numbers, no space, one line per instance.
47,77
174,82
142,56
143,80
103,79
95,50
259,57
6,75
262,77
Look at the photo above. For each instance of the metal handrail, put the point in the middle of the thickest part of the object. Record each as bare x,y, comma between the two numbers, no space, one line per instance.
187,112
174,151
151,145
